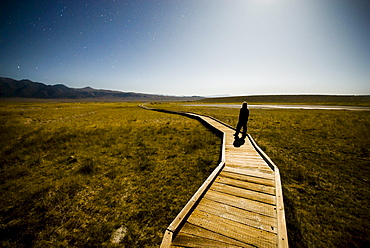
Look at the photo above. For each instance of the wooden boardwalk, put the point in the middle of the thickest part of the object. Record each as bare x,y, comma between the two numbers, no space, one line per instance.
239,205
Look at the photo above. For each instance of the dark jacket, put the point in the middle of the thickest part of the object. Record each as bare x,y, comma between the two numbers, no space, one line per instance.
243,115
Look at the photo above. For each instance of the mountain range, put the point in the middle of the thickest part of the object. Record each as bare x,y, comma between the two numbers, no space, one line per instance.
11,88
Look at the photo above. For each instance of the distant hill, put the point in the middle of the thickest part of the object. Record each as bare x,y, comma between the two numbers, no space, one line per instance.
295,99
10,88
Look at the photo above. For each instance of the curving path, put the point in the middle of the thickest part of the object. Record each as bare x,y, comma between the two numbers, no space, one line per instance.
239,205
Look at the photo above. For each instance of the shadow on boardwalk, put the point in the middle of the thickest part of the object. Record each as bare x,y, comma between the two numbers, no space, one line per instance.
238,142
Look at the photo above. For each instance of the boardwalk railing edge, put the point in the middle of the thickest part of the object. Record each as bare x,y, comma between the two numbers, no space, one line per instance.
280,211
180,219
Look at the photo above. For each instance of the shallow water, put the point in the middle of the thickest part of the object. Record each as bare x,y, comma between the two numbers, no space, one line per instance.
278,106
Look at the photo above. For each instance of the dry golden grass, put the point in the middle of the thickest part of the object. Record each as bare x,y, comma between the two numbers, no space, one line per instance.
92,174
89,174
324,161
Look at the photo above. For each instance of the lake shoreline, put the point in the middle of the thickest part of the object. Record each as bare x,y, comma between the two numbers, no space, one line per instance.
278,106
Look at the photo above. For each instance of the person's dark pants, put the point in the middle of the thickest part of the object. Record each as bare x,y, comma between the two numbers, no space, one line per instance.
239,126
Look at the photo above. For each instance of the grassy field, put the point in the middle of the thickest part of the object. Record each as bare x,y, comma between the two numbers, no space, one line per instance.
324,161
92,174
95,174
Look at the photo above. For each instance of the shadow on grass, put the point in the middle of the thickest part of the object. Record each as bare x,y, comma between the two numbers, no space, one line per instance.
295,237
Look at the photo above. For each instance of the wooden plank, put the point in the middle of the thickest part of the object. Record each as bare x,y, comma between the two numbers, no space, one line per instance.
232,229
186,240
248,171
239,215
216,124
223,156
252,166
201,233
167,239
246,148
282,230
245,162
231,139
244,193
246,204
255,165
243,157
242,153
248,178
269,174
246,185
248,152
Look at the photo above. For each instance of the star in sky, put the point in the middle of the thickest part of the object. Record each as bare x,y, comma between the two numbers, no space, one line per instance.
190,47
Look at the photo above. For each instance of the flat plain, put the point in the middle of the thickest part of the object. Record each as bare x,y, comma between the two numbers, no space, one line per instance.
96,174
115,175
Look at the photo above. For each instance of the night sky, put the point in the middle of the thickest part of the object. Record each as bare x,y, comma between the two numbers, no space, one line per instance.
190,47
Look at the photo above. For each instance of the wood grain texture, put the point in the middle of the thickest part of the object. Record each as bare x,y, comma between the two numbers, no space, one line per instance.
242,203
190,231
243,193
239,215
246,185
248,178
235,230
249,171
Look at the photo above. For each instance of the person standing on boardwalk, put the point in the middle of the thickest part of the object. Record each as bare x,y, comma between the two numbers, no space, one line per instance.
243,120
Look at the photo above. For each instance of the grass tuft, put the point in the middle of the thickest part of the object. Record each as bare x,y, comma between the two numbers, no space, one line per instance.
88,167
